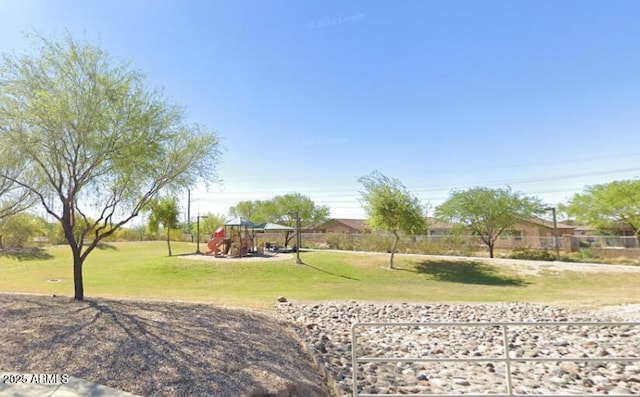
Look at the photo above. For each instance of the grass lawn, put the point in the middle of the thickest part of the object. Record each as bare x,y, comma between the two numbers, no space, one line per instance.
143,270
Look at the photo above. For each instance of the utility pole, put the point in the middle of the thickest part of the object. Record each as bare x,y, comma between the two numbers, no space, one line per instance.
198,232
189,211
298,239
556,243
555,233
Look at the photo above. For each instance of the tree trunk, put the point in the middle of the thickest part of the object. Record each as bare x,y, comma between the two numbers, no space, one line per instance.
393,249
169,240
77,275
288,236
490,250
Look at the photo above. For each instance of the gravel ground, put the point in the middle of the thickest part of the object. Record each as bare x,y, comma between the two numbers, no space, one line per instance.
326,329
153,348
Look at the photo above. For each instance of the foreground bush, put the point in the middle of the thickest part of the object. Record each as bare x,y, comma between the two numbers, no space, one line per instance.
532,254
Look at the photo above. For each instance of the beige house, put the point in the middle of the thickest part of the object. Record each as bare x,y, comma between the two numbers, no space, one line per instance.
340,225
534,233
437,228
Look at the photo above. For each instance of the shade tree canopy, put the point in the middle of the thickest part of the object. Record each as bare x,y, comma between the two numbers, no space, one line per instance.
283,210
608,205
163,212
488,212
391,207
93,142
14,198
19,230
208,224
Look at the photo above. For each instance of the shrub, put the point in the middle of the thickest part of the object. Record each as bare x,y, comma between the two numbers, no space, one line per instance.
532,254
340,241
586,254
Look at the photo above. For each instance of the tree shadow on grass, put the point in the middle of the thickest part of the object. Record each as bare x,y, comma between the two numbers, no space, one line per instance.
26,254
330,273
468,273
106,246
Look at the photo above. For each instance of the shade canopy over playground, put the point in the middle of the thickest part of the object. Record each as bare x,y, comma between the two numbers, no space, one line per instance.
239,221
272,227
237,237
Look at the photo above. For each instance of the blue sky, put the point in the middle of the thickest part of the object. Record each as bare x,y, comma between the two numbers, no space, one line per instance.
307,96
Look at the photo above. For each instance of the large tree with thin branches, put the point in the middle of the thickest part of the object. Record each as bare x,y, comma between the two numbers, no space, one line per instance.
283,210
392,208
14,198
608,205
94,144
488,212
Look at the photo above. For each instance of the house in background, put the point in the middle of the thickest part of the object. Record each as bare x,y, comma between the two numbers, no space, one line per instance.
618,235
340,225
531,233
544,228
535,233
621,229
437,228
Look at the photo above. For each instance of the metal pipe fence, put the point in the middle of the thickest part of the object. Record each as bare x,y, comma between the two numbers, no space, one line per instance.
565,243
505,358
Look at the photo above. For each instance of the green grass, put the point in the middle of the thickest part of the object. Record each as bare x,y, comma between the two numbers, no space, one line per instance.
143,270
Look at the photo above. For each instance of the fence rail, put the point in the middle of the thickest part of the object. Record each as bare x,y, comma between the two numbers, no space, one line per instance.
506,357
566,243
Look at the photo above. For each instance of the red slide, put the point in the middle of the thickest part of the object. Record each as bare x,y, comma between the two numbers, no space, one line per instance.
214,245
216,242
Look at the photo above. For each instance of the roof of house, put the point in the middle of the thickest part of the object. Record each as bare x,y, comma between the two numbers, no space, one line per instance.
549,224
435,223
585,227
355,224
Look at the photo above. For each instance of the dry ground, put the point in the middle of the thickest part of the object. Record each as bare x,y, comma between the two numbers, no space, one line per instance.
527,267
153,348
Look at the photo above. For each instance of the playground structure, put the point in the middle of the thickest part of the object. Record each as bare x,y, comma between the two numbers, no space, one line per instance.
216,244
237,237
233,239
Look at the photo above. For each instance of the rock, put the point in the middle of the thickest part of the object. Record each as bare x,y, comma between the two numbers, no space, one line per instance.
369,390
461,382
320,346
557,380
569,367
327,329
440,383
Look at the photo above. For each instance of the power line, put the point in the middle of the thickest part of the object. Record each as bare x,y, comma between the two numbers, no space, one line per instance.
341,176
334,194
